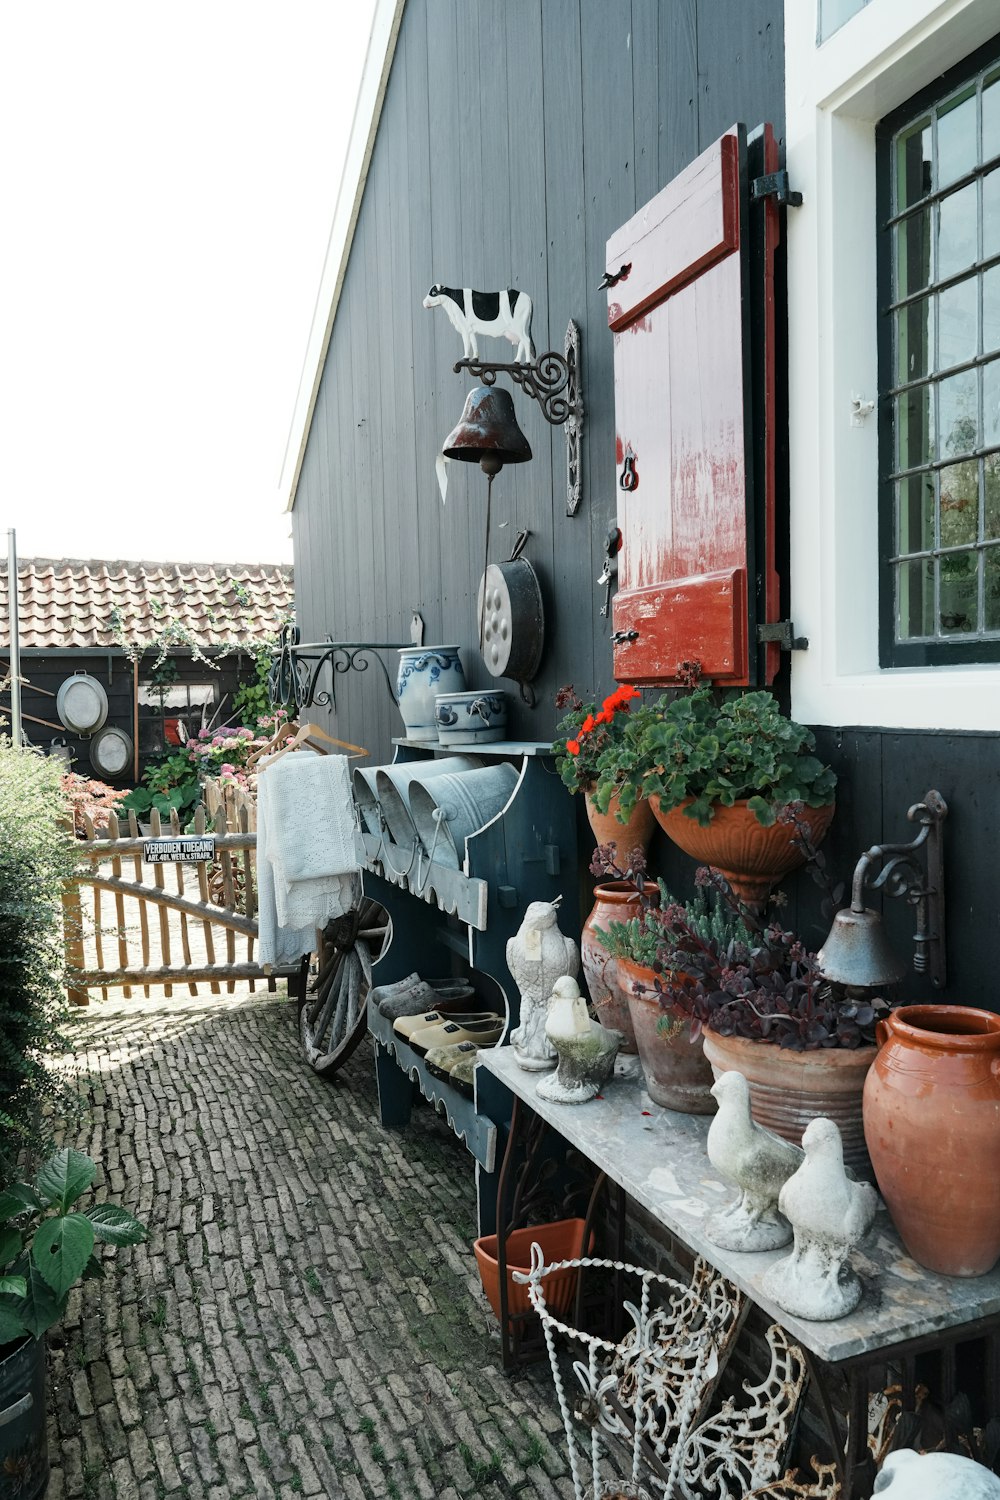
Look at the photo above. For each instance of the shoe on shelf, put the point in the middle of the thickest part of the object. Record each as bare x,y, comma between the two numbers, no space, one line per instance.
427,994
387,991
484,1029
405,1026
455,1064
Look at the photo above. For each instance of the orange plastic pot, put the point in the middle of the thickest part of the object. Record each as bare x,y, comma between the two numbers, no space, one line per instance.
751,857
562,1240
932,1122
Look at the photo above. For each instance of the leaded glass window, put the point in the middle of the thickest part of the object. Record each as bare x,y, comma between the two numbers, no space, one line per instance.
940,378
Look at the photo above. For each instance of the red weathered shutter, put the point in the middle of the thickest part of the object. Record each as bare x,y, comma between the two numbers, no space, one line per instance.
696,569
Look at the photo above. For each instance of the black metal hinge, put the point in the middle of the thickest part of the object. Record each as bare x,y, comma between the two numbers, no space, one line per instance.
776,184
781,632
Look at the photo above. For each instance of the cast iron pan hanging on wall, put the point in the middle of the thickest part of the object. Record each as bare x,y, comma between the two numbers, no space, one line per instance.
511,619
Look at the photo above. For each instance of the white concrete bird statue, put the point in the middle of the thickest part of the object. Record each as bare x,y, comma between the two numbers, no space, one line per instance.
830,1216
586,1049
537,955
759,1162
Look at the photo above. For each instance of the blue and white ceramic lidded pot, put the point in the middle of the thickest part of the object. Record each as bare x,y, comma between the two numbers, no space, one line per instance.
425,671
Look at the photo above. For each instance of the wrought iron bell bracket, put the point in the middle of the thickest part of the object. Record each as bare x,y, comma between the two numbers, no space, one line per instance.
553,380
918,881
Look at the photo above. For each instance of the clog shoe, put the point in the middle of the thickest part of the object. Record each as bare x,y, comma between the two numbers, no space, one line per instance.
454,1064
485,1030
427,994
405,1026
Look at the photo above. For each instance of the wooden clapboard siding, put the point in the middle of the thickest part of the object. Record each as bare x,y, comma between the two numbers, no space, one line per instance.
513,140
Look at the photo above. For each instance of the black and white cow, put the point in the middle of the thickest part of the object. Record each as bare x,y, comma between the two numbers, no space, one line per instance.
502,314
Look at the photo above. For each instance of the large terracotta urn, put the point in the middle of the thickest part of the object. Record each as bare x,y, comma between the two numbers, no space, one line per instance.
634,833
932,1122
678,1074
788,1089
616,901
750,856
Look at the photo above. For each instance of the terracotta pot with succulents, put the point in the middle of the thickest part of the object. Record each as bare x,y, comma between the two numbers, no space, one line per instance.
583,735
716,776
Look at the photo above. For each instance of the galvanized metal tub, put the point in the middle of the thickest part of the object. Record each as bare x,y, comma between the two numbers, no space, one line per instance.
24,1448
392,785
451,808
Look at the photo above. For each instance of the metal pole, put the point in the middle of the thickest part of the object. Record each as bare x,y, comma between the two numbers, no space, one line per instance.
15,645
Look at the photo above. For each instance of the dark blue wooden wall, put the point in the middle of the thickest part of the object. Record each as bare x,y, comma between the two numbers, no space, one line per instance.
514,138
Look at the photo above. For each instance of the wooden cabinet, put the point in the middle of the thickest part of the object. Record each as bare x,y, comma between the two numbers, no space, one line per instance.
692,313
440,915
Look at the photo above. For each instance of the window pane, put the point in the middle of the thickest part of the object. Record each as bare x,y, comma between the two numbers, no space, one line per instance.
956,142
991,588
991,214
991,403
913,253
915,513
991,495
958,311
991,309
915,339
913,165
959,593
915,427
958,235
959,503
915,599
991,118
958,415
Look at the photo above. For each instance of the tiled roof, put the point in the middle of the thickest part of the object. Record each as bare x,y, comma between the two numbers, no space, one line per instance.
65,603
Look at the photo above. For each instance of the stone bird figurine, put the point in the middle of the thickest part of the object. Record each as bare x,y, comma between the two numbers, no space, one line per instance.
830,1216
586,1049
907,1475
759,1162
537,955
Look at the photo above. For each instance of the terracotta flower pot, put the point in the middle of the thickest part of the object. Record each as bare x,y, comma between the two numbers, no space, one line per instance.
788,1089
635,832
616,901
932,1121
562,1240
677,1072
750,856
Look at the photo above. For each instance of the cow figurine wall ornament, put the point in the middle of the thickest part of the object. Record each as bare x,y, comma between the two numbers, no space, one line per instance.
505,314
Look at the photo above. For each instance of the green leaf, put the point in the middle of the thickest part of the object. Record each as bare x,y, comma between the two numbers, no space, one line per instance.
18,1199
12,1325
762,810
40,1308
10,1244
65,1176
13,1286
93,1270
116,1225
61,1249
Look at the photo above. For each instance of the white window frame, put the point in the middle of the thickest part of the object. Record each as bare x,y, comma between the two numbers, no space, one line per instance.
835,94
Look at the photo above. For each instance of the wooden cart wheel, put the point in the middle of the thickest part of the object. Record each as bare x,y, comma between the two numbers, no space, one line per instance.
333,1015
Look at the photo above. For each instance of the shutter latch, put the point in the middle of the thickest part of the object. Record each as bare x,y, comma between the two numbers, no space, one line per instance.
781,632
775,184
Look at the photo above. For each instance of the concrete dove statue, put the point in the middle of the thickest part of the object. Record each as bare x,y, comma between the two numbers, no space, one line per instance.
537,955
586,1048
759,1163
906,1475
830,1215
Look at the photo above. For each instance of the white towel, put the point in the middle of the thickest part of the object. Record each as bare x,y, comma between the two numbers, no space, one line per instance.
306,860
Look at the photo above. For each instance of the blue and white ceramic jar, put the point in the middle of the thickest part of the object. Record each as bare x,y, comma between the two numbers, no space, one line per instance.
425,671
471,718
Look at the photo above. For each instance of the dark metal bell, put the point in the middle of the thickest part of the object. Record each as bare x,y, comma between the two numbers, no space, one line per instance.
487,433
857,951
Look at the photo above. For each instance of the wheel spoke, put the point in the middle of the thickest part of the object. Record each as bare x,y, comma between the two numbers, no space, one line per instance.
333,1020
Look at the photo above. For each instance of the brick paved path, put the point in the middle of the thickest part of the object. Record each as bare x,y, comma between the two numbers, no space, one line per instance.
306,1317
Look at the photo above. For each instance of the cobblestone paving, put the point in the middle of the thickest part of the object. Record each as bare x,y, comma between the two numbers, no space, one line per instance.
306,1317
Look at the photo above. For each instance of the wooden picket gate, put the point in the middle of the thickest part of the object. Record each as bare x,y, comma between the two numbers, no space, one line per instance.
198,929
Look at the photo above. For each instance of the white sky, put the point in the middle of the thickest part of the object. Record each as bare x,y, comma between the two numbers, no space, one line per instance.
169,175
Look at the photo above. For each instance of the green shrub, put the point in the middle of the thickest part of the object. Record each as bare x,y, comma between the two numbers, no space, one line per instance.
35,858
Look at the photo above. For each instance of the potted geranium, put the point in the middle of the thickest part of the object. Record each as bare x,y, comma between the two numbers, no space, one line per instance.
47,1245
716,776
584,734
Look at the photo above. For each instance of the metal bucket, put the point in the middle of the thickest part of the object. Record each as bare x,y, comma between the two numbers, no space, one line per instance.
453,807
392,786
366,797
24,1448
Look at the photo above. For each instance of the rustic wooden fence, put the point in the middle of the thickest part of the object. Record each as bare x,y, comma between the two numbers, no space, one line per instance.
140,933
